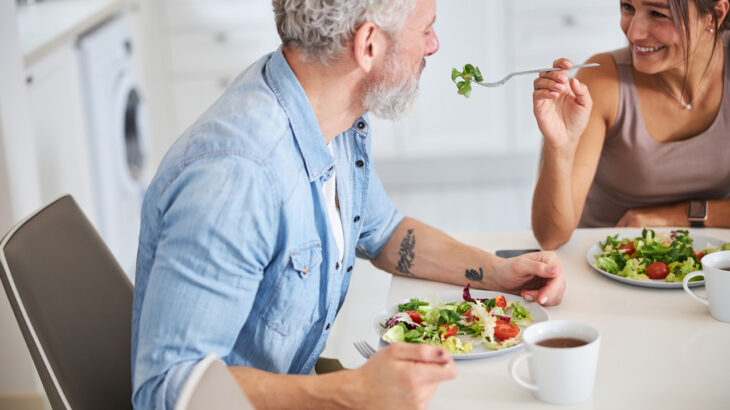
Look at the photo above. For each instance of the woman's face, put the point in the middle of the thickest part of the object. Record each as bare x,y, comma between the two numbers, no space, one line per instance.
653,39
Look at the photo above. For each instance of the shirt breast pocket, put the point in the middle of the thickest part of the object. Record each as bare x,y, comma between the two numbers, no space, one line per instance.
293,303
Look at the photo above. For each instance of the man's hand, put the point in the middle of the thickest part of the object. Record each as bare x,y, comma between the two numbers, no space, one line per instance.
539,276
402,375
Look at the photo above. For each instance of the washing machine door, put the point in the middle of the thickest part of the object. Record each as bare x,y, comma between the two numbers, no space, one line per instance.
132,140
123,189
133,145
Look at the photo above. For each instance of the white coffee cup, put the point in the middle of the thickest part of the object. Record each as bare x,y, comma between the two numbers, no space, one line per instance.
716,270
560,375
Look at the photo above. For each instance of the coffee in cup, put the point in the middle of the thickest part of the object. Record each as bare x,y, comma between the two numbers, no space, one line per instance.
716,270
562,358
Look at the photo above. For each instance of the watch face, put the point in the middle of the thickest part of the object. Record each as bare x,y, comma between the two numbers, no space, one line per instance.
697,209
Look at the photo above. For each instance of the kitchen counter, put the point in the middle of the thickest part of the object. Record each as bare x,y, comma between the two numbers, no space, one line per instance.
46,25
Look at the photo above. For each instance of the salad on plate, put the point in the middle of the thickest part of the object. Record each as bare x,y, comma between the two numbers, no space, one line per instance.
667,257
496,323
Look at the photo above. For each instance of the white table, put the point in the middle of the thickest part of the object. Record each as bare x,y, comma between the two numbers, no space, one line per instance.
660,349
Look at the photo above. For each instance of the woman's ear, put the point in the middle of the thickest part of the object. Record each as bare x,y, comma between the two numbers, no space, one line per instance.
368,45
721,10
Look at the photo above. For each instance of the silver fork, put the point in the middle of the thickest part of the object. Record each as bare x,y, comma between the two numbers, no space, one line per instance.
364,348
539,70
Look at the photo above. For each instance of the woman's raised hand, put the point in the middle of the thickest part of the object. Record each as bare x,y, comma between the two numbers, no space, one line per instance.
561,106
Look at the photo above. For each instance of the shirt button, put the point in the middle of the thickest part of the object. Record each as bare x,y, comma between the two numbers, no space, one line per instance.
361,125
357,218
360,163
349,268
337,265
327,327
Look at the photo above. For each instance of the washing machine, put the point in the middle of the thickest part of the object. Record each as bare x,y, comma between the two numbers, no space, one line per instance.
116,128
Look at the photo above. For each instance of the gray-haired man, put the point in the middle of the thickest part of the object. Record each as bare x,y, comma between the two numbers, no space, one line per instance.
251,226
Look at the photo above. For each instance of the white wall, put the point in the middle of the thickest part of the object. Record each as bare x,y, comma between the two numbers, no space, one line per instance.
19,192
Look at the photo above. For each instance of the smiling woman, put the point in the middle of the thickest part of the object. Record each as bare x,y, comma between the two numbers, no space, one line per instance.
656,138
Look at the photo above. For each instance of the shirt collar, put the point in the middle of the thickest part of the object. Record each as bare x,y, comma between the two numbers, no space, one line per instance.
317,157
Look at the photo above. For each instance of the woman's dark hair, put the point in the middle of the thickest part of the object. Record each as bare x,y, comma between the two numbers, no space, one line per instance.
680,15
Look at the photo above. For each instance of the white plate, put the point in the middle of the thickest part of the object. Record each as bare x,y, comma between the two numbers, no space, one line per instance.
698,242
538,313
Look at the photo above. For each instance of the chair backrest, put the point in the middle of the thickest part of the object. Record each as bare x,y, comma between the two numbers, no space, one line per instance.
211,386
73,304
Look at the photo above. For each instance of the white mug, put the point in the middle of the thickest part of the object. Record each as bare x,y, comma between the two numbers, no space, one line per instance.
559,375
716,270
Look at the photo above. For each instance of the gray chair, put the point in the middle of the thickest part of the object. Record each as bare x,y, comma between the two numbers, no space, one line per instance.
73,304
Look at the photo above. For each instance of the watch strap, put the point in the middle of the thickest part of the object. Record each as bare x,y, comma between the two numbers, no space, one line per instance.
696,224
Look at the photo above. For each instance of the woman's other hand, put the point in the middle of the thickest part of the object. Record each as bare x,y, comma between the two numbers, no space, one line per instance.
561,105
663,215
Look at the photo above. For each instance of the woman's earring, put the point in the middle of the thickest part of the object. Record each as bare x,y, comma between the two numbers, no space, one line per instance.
711,30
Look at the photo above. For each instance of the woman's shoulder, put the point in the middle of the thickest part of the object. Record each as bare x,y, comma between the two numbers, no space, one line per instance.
603,84
605,74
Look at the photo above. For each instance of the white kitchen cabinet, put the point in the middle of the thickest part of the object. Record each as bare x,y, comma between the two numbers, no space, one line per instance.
184,16
57,115
208,43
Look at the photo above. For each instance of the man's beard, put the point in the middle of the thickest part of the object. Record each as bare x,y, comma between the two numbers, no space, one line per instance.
392,95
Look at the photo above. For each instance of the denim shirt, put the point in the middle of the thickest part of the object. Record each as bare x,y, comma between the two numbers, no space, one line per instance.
236,253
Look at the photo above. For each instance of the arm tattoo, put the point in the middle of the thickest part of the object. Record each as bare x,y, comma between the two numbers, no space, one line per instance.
472,274
406,253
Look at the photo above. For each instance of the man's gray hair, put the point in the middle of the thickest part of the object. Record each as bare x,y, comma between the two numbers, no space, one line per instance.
322,28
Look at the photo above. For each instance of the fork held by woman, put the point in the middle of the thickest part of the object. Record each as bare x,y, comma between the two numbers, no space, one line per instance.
535,71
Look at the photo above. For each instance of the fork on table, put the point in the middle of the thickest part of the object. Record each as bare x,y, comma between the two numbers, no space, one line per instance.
364,348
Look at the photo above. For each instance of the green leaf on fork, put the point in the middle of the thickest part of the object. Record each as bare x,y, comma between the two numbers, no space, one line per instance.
468,74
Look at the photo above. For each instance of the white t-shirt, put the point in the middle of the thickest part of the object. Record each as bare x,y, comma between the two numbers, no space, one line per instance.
330,194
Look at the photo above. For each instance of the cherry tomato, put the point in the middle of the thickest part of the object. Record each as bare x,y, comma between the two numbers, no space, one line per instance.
500,301
628,247
699,255
448,330
505,330
657,270
416,316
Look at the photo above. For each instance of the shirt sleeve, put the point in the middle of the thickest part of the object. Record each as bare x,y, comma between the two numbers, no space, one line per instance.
380,219
218,229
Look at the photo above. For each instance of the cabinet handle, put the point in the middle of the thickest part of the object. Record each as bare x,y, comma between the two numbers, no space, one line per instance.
29,80
568,20
221,37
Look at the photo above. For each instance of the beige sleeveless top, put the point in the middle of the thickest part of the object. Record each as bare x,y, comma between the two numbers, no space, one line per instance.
636,171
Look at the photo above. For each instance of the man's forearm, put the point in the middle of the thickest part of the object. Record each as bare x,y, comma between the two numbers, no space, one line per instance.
279,391
421,251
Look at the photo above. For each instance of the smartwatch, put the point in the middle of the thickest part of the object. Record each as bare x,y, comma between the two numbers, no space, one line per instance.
697,213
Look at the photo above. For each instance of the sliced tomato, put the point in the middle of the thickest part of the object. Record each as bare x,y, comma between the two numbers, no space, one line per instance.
416,316
448,330
500,301
657,270
699,255
505,330
628,248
